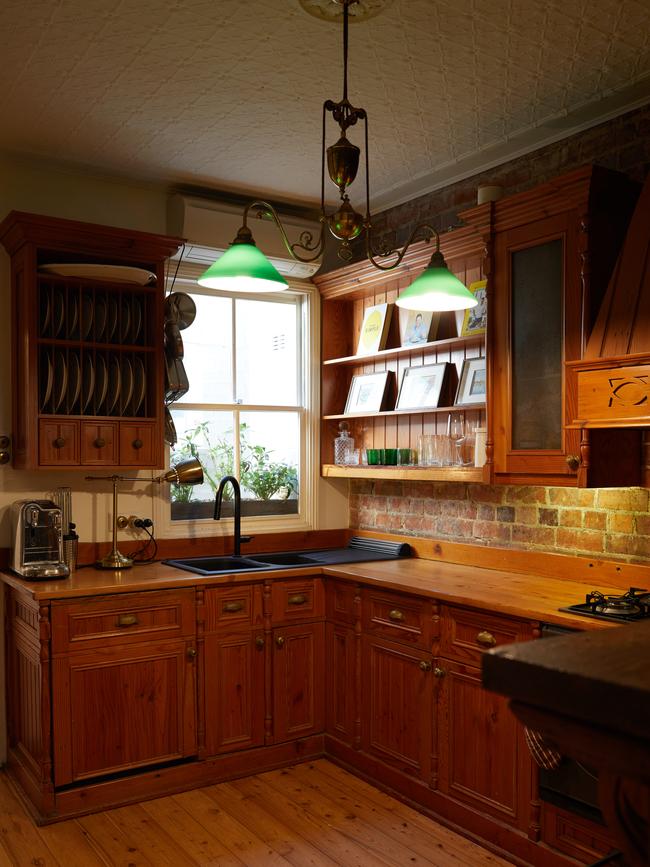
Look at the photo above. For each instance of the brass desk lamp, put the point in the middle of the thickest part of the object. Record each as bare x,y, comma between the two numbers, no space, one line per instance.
187,472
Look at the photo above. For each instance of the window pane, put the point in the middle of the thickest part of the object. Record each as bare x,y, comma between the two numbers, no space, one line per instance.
207,345
270,460
267,372
209,437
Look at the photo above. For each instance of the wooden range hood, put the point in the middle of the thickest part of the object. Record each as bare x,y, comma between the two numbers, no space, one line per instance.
610,385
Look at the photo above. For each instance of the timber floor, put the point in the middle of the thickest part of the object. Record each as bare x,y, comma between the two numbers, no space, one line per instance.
309,815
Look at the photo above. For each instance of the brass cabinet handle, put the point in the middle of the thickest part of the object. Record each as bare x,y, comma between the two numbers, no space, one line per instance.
127,620
99,443
396,615
137,444
298,599
191,653
232,607
573,462
439,672
486,639
58,443
259,642
425,665
279,641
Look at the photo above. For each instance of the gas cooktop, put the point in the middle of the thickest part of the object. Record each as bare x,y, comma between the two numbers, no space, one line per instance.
632,605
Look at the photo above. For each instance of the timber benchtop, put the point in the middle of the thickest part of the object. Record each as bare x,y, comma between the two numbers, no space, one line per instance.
519,594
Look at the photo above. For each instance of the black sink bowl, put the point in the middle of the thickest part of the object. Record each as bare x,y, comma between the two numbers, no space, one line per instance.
216,565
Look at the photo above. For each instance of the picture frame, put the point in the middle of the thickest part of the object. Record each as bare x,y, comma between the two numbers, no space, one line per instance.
474,320
374,328
367,393
421,387
417,326
472,385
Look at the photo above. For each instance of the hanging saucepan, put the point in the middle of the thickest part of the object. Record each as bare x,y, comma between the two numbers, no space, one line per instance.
180,309
173,340
170,429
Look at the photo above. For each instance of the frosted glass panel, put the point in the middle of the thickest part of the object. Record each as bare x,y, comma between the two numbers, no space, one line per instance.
537,293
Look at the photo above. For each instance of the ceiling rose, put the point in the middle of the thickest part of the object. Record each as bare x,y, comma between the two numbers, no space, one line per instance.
332,10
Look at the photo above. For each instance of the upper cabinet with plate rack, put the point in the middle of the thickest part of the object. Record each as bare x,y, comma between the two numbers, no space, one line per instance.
347,294
88,377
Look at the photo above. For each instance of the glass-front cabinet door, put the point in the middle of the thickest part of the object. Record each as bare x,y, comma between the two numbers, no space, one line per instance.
536,327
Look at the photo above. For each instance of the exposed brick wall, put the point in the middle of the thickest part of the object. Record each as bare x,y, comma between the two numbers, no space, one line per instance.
622,144
608,522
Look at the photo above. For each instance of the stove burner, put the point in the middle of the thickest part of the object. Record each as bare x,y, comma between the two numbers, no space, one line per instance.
634,604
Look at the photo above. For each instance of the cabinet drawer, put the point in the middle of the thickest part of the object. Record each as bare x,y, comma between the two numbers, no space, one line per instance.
122,619
467,634
99,443
340,596
300,599
233,607
138,445
397,616
58,443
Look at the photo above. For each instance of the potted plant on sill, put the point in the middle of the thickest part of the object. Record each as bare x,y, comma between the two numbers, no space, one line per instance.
269,487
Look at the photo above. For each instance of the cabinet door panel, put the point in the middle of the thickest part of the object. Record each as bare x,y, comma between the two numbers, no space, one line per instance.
483,759
341,703
298,677
118,709
397,705
234,692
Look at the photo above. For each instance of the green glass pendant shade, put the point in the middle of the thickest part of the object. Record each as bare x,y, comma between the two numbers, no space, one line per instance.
436,289
243,268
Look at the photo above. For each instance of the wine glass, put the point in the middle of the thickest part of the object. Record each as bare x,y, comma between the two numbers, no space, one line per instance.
456,432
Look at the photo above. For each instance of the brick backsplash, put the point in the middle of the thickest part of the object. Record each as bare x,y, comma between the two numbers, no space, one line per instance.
612,523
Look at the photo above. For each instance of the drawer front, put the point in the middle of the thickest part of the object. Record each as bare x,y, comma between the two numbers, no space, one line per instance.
58,443
300,599
99,444
467,634
233,607
122,619
340,596
138,445
397,616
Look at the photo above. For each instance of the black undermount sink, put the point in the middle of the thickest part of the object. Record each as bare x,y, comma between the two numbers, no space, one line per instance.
358,550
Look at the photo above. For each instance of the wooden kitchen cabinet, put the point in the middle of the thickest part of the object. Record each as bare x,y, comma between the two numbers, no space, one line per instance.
123,683
298,680
483,758
346,294
88,375
234,667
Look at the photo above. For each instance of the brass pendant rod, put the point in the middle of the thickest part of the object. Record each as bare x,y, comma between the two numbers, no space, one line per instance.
266,209
423,227
345,49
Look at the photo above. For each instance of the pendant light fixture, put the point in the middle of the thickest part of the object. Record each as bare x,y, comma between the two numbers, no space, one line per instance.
245,268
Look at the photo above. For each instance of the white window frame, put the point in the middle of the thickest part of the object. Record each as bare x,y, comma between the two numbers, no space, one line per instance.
307,517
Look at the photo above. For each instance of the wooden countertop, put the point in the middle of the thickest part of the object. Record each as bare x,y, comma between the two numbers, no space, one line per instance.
518,594
597,678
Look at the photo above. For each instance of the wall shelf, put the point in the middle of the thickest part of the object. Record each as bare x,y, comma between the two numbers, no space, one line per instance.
450,344
393,412
405,474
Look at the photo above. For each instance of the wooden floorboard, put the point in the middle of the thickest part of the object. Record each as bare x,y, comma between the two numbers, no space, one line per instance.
309,815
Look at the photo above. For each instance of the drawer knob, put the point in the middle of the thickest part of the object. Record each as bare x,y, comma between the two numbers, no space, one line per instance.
191,653
396,615
137,444
127,620
439,672
279,641
425,665
297,599
99,443
572,462
486,639
232,607
58,443
259,642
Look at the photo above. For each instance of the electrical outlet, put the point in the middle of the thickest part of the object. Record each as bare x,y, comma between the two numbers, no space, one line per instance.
132,523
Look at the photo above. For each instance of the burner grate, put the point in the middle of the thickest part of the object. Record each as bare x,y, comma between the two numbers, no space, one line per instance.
634,604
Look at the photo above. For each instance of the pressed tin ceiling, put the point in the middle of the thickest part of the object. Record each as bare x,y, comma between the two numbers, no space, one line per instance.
227,94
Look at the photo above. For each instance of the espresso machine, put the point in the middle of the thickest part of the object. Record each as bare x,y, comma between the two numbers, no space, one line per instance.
37,540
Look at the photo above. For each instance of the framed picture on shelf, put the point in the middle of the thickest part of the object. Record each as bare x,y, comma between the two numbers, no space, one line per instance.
474,320
367,392
417,326
472,385
421,386
374,328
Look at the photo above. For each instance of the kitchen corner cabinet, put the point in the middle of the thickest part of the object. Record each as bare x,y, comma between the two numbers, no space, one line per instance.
346,294
551,251
87,355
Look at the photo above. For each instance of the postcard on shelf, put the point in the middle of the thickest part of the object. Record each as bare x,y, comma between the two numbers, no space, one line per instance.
474,320
472,385
367,392
374,329
421,386
417,326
